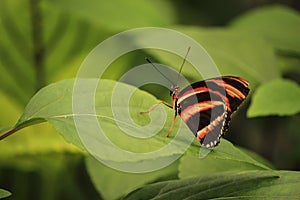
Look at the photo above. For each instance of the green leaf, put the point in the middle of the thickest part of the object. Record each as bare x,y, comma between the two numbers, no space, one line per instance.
54,104
239,185
277,97
234,52
279,25
117,14
67,41
229,152
225,157
113,184
15,49
4,193
191,166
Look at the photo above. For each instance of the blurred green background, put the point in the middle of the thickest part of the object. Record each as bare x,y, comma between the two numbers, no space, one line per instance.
43,41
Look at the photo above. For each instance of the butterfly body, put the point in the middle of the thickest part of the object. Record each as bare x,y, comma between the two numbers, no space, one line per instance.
206,106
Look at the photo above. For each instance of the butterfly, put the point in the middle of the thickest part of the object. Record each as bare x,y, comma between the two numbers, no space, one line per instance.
206,106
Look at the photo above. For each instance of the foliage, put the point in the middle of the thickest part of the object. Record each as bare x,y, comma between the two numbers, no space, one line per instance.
261,45
244,184
4,193
285,100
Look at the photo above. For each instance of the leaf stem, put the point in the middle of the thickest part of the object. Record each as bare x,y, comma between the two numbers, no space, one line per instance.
9,132
21,125
38,44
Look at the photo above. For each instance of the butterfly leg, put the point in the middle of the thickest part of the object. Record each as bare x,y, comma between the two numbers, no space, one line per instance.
172,125
155,106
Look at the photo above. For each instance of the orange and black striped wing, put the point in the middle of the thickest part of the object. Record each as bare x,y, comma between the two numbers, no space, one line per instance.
206,106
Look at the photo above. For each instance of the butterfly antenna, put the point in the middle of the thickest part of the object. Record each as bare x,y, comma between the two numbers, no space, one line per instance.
149,61
179,72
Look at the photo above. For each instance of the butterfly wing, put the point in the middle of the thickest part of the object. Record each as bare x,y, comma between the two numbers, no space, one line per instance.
206,106
236,90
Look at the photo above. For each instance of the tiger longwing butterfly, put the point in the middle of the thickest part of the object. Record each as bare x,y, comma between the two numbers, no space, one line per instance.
206,106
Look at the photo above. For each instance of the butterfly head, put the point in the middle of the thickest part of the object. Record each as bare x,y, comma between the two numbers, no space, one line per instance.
174,90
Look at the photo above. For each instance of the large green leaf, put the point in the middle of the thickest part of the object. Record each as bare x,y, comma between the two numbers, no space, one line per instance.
4,193
54,104
277,97
229,185
279,25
